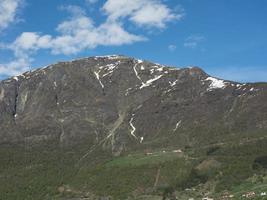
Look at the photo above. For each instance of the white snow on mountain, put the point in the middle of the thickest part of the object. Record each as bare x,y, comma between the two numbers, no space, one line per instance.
215,83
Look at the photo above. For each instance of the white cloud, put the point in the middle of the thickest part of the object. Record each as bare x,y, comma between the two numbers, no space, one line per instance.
120,9
73,10
8,11
151,13
79,32
154,15
30,41
74,25
193,41
15,67
114,34
172,47
75,34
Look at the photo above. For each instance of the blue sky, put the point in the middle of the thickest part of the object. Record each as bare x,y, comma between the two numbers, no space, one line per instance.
228,39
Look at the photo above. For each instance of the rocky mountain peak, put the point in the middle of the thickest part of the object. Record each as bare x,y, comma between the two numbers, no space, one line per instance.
116,102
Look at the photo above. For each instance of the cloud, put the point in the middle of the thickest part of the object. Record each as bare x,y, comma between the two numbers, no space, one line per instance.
76,38
79,32
73,10
30,41
150,13
75,34
15,67
172,47
193,41
8,11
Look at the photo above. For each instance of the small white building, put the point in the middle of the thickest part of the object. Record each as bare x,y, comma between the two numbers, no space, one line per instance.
263,194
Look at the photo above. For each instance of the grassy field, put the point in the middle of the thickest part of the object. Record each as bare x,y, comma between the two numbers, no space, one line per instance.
55,173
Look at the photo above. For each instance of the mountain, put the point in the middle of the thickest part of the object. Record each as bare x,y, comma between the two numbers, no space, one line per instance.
100,114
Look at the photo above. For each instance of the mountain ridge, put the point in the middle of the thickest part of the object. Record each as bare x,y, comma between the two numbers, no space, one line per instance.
139,75
119,127
114,56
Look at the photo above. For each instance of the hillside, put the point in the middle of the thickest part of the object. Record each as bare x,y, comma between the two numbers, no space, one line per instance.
118,127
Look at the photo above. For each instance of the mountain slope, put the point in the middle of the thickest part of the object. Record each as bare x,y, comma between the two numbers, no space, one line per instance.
117,105
99,98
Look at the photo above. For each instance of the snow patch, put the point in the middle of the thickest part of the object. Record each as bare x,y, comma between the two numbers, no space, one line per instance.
173,83
110,68
97,76
239,86
111,57
136,73
177,125
16,78
160,69
22,75
157,68
215,83
149,82
133,128
152,71
141,140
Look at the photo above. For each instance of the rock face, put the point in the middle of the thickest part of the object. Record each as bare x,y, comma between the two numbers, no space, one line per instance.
120,103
